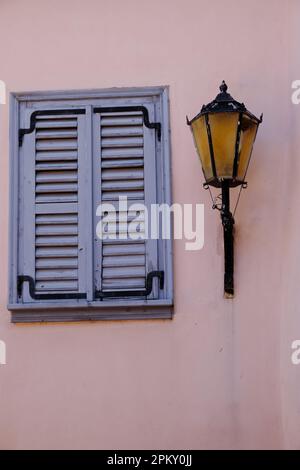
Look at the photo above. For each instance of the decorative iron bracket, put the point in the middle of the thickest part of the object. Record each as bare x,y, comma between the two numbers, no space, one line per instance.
142,109
49,112
34,296
135,293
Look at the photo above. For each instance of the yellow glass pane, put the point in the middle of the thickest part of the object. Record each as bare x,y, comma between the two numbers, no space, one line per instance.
202,146
247,137
223,128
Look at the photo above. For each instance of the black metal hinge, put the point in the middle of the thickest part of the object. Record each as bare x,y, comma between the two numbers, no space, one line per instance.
98,294
61,112
50,112
34,296
135,293
142,109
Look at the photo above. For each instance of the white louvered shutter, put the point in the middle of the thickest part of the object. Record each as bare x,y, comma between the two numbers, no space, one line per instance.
124,165
53,246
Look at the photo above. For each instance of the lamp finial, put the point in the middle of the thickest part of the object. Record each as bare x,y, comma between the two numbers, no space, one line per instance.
223,87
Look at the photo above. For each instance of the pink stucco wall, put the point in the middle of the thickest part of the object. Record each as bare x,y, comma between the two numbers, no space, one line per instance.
219,374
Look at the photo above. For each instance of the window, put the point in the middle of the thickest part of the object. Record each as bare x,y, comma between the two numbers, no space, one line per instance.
71,154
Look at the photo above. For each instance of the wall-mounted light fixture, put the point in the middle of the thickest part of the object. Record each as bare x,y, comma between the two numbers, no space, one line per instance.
224,133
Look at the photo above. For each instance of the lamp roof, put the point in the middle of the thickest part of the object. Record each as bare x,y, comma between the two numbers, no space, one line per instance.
223,103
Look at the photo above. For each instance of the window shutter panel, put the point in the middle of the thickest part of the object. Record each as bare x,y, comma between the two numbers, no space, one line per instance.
53,244
125,166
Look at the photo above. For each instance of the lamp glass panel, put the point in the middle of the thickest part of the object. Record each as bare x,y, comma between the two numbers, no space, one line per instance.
201,142
223,128
247,138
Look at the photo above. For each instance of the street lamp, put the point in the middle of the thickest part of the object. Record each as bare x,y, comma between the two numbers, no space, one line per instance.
224,133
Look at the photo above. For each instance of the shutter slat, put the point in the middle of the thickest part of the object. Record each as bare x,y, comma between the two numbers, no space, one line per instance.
125,260
62,208
123,163
122,229
123,284
56,286
124,131
56,134
114,195
56,219
121,142
56,252
58,144
49,156
129,185
55,229
56,198
55,123
63,187
120,272
119,249
55,176
56,166
60,263
53,274
117,114
56,117
110,120
130,215
123,174
56,241
122,153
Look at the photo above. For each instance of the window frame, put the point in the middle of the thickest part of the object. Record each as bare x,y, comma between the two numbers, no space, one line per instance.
82,309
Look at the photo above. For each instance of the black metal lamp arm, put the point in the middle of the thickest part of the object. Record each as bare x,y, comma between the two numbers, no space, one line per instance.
228,233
